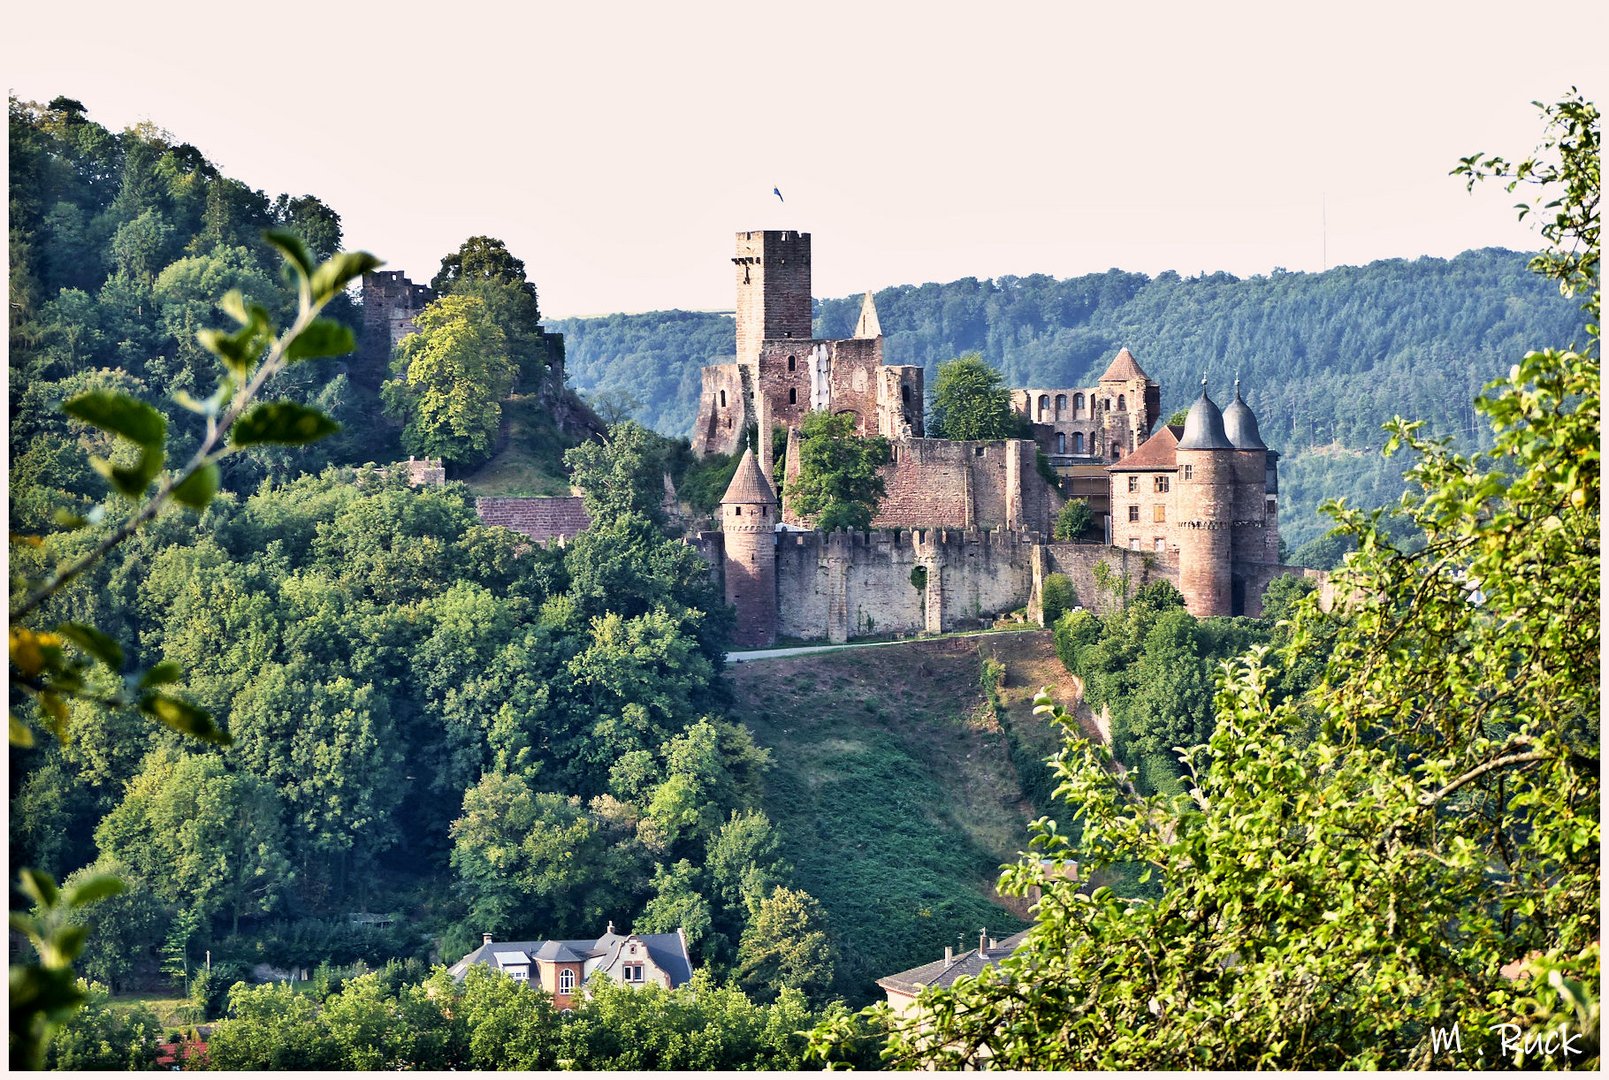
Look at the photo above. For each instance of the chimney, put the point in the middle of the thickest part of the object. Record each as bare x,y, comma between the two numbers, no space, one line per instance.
983,941
992,945
486,939
947,954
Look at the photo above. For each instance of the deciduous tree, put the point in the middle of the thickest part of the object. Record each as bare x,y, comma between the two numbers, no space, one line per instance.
838,486
970,401
454,371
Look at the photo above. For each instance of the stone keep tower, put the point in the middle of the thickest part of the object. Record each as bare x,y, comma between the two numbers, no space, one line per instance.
1206,509
749,524
773,290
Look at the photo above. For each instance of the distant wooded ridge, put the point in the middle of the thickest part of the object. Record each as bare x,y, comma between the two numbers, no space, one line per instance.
1323,358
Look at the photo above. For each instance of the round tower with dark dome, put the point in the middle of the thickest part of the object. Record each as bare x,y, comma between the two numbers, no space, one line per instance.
749,525
1206,508
1256,528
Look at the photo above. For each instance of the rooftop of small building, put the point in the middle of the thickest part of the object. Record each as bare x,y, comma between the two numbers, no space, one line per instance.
1156,454
668,952
945,972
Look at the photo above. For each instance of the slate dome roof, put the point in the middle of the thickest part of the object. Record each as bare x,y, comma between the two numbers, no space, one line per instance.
1204,426
1240,424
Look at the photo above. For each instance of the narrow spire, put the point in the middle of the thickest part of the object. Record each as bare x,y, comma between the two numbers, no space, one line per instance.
867,326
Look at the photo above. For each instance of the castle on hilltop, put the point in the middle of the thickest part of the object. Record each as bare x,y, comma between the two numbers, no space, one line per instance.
963,532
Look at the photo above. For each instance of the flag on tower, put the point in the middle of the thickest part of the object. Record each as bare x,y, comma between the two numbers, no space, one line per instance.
778,193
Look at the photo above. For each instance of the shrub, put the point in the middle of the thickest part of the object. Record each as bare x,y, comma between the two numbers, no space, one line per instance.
1057,597
1075,520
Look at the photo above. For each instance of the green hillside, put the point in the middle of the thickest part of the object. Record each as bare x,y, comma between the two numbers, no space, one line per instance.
1325,358
897,791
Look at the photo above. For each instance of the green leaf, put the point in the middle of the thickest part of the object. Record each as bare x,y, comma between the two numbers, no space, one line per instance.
99,645
292,247
197,489
281,422
121,415
131,480
168,671
321,337
185,718
21,734
333,276
39,886
94,889
234,306
238,351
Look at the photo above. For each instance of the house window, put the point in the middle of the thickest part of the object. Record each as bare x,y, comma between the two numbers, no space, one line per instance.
1078,442
1134,543
1061,405
1061,443
1134,483
1270,506
1078,404
566,981
1159,512
1162,483
1044,406
1189,472
1134,513
1161,545
633,973
793,396
518,974
737,511
791,363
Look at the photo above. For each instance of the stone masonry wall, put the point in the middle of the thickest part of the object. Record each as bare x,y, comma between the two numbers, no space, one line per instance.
847,585
1078,561
723,410
987,485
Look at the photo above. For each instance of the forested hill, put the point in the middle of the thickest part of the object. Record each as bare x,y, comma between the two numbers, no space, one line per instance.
1324,358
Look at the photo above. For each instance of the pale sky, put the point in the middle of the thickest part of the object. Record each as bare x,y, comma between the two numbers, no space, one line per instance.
617,147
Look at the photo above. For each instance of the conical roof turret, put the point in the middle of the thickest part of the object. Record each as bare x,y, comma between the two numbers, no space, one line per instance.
1124,368
1240,424
1204,426
749,485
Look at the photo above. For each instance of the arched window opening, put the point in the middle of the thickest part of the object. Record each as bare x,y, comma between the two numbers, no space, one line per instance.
793,396
1078,442
791,363
567,981
1044,406
1122,403
723,399
1078,404
1061,405
1061,443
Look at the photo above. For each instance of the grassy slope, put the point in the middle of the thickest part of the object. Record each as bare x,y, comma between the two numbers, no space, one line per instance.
895,791
530,458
